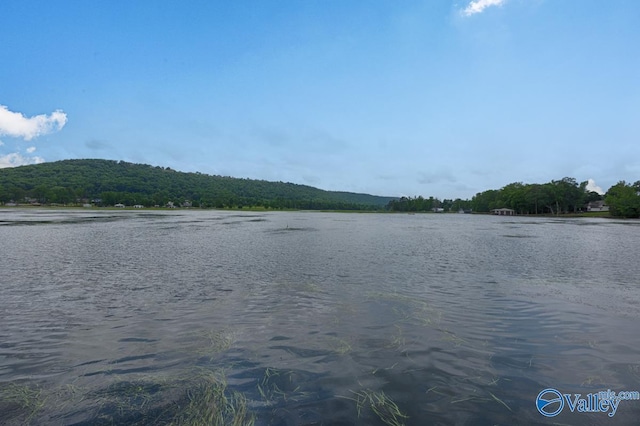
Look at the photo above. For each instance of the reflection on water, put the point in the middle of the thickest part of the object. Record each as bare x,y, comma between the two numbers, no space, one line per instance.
308,318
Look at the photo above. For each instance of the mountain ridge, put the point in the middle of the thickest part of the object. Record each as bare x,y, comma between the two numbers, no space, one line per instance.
112,182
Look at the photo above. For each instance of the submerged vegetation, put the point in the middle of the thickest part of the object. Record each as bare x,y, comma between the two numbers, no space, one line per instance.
209,402
203,395
213,392
217,342
21,400
199,399
381,405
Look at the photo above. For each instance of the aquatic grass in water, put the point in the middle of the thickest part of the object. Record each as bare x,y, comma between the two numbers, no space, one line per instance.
199,398
340,346
398,340
450,336
219,341
279,387
21,401
125,399
410,309
296,318
210,402
381,405
306,286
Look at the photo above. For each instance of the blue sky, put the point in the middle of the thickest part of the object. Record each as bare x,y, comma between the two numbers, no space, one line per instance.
438,97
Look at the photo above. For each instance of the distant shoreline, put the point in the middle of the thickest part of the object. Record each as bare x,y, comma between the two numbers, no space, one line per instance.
605,215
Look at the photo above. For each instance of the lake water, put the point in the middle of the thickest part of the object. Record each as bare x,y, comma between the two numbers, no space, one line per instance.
308,318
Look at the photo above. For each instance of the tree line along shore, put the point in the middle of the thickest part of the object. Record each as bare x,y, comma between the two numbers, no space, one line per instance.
109,183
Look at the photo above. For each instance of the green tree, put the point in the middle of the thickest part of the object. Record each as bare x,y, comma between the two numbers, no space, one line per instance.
624,199
485,201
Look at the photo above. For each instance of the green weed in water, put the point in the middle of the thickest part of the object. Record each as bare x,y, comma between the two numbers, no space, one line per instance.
21,401
220,341
278,386
500,401
215,342
411,309
196,398
339,345
398,341
209,402
381,405
450,336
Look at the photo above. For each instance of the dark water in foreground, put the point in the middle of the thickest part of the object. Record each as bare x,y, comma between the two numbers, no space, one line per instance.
123,317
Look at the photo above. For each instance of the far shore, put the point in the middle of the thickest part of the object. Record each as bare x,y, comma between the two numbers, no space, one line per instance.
599,214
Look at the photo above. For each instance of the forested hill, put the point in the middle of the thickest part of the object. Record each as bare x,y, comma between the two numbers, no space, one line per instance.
107,182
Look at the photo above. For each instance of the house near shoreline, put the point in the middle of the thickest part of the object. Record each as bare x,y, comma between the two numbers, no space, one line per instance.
597,206
504,212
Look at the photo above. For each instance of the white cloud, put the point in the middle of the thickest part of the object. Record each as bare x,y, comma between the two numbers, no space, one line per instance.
31,149
17,125
591,186
478,6
1,143
15,159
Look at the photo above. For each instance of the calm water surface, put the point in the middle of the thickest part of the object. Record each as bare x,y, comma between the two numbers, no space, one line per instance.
114,317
